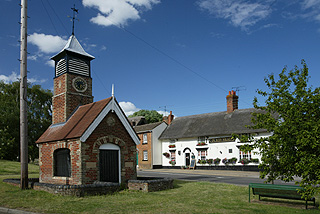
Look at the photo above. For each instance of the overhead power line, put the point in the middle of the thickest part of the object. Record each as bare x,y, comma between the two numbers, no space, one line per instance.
162,52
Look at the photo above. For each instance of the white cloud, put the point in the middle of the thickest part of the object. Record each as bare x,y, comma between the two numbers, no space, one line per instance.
311,9
241,13
15,77
33,57
310,3
47,43
164,113
11,78
128,108
118,12
50,63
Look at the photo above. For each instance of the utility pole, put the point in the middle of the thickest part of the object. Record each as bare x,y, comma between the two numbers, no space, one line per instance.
23,98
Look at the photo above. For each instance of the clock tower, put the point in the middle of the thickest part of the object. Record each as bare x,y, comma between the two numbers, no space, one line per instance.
72,82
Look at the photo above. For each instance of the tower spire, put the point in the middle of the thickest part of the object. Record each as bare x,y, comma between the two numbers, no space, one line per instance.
74,16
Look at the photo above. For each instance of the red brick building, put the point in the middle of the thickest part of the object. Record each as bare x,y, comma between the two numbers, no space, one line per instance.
87,141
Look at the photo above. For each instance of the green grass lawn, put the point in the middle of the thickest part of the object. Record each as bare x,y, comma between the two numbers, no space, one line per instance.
186,197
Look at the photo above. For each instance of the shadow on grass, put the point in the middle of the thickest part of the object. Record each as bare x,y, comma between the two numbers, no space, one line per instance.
286,203
179,183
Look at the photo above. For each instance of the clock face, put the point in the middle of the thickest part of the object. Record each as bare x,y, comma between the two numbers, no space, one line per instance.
79,84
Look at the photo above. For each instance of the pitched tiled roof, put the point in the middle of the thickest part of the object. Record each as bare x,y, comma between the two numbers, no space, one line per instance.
76,125
211,124
146,127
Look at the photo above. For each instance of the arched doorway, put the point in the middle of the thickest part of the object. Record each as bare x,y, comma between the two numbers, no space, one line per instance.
109,163
187,152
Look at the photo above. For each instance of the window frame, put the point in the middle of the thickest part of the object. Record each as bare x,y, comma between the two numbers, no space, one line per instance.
145,155
62,163
145,138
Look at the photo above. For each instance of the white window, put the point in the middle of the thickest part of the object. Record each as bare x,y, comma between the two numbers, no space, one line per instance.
246,155
145,155
202,154
173,155
201,139
145,138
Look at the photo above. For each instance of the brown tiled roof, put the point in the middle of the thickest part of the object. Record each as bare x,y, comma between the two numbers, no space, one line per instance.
76,125
146,127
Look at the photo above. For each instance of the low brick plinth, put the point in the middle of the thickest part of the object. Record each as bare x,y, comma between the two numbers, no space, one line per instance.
150,184
97,188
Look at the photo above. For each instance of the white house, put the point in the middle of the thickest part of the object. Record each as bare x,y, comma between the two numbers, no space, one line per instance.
208,136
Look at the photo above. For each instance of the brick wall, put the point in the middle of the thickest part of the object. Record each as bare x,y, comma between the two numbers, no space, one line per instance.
109,132
85,156
46,162
145,164
66,99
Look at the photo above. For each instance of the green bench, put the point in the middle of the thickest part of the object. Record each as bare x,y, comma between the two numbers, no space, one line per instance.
278,191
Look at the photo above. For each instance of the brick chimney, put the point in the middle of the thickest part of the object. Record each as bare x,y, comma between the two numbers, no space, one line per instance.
232,101
168,119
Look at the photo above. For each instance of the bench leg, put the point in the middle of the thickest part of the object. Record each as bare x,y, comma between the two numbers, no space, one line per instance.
259,197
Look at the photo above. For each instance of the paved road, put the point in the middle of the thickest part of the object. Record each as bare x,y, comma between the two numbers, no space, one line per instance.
220,176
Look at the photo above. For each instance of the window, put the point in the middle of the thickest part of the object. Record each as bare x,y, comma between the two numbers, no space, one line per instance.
202,154
145,155
201,139
230,150
173,155
62,165
145,139
246,155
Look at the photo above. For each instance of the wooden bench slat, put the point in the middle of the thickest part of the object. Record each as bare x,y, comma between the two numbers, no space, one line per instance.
278,191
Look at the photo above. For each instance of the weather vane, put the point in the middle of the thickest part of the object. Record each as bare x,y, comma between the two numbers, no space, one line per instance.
74,16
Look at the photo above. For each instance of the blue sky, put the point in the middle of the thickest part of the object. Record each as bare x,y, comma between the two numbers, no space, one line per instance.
182,54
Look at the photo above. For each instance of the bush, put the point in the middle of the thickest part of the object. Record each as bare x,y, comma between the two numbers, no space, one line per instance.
209,161
172,162
216,161
225,161
233,160
244,161
203,161
254,160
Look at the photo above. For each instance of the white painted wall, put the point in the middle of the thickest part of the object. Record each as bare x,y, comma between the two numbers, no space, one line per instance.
156,144
215,150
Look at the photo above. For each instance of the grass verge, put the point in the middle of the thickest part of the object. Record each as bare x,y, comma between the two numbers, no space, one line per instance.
186,197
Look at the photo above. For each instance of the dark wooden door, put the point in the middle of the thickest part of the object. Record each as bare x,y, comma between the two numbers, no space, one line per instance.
187,159
109,165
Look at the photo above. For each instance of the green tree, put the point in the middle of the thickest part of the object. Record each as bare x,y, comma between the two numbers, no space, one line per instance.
39,118
151,116
293,149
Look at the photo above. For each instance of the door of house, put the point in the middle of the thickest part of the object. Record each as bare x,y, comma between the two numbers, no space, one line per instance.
187,159
109,165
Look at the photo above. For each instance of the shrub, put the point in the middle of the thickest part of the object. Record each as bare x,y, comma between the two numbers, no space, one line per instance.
244,161
233,160
172,162
255,160
225,161
216,161
203,161
209,161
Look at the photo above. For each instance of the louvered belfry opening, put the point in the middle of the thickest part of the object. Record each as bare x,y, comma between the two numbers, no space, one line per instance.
71,64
